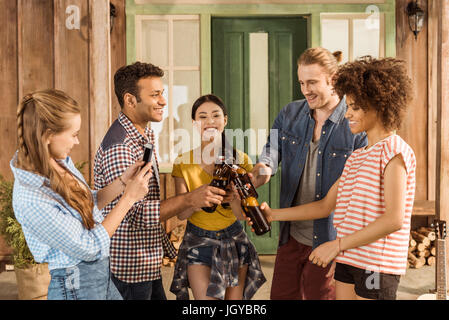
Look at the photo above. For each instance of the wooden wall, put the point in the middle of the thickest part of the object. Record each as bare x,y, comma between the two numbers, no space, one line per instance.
415,126
39,51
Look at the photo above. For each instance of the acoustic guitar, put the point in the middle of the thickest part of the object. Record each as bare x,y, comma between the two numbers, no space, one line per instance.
441,294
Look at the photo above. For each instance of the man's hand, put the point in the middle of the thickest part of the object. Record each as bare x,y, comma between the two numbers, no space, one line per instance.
260,174
205,196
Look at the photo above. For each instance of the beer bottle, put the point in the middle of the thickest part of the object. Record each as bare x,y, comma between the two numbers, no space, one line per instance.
239,174
219,180
251,207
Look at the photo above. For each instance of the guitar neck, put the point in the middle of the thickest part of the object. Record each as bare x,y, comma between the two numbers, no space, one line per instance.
441,270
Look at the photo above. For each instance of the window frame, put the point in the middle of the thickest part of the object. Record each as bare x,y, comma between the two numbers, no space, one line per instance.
170,69
350,17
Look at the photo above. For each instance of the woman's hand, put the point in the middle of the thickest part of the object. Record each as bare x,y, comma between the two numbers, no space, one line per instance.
267,211
137,187
131,171
325,253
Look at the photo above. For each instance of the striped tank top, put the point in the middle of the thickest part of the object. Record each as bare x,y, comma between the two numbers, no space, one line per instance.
360,201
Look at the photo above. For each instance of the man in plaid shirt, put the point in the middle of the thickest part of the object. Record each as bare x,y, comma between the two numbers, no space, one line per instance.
140,242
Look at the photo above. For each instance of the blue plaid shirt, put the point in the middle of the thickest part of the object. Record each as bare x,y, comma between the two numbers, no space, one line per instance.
53,230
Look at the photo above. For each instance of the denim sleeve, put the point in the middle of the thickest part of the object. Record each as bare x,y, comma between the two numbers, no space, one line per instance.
57,228
361,141
272,151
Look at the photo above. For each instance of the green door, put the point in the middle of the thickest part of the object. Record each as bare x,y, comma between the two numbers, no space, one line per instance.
254,72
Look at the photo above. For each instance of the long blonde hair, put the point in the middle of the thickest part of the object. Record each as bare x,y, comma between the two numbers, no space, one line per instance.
39,114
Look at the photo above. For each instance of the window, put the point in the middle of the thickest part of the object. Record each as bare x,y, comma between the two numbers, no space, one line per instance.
356,35
172,42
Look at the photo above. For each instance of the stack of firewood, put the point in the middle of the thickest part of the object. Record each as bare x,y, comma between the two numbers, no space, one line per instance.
176,236
421,249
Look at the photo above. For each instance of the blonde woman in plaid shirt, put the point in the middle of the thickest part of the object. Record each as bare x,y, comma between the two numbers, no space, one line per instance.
57,210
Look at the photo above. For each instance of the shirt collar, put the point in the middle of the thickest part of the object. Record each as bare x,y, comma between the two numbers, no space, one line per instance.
339,112
132,130
27,177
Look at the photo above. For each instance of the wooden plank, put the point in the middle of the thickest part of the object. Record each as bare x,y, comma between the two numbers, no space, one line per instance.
432,22
442,187
415,125
118,49
99,78
35,45
173,222
423,208
169,186
8,85
72,65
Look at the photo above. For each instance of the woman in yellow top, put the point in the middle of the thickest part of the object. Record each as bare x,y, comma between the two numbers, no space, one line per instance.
216,258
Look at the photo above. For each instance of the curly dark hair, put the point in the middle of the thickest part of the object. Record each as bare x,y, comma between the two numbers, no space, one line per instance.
378,84
126,78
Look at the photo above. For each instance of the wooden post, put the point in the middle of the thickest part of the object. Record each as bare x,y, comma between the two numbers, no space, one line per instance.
442,152
8,86
99,62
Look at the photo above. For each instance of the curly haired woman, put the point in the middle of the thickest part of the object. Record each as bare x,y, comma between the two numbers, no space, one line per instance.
372,200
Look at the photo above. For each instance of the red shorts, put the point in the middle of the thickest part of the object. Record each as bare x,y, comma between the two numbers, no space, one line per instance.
297,278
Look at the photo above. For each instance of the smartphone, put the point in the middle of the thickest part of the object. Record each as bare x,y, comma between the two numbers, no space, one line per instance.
148,153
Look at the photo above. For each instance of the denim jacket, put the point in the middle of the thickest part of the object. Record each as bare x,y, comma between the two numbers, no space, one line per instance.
288,144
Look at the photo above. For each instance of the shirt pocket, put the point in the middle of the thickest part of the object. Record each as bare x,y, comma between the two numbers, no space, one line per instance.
336,158
290,144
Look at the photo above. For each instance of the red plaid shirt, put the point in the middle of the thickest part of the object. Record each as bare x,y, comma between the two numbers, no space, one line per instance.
138,245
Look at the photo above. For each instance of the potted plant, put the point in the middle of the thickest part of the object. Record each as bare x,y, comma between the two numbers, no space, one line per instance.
32,278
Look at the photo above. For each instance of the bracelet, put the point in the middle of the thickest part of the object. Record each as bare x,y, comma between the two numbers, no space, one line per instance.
121,180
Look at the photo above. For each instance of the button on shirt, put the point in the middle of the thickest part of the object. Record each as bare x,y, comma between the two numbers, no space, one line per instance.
139,243
53,230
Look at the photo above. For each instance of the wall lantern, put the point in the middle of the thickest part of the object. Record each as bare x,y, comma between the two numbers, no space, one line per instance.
415,17
113,15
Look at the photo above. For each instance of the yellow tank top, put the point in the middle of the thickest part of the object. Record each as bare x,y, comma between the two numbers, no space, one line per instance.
195,176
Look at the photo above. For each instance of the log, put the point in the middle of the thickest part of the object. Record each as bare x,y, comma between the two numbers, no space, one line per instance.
412,243
426,253
431,260
411,249
416,262
433,251
419,254
420,238
427,232
420,247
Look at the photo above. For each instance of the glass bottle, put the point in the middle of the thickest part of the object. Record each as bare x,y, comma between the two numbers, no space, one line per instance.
220,180
249,203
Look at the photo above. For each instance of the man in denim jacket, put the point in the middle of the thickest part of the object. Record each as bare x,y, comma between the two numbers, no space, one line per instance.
311,140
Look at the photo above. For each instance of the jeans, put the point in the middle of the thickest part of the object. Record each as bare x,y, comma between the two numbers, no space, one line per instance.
85,281
147,290
203,255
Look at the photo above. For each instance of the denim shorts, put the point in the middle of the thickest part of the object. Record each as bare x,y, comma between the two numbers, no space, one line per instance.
368,284
85,281
203,255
